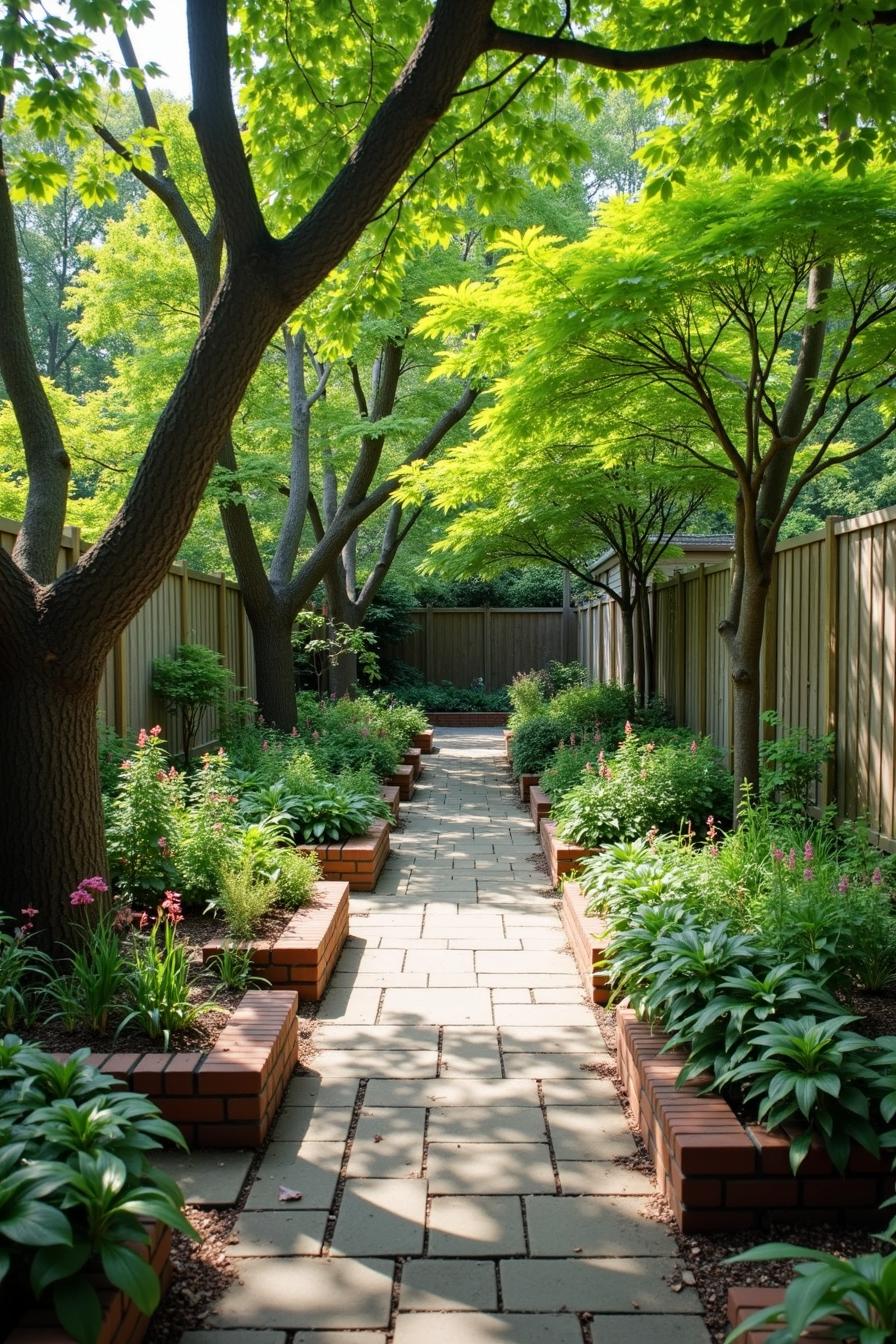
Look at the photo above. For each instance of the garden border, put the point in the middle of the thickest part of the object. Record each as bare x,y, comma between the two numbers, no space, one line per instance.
393,798
423,741
402,779
485,718
303,956
358,860
412,757
122,1323
720,1175
744,1300
562,858
586,939
539,805
526,784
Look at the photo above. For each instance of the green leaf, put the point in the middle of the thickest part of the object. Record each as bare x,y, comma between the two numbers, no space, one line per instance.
77,1305
52,1263
132,1275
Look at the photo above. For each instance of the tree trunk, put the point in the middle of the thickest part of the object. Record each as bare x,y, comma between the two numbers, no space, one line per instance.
745,649
344,676
627,616
275,674
49,796
649,647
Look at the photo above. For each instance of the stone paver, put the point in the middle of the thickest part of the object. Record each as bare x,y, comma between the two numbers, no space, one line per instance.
455,1145
208,1180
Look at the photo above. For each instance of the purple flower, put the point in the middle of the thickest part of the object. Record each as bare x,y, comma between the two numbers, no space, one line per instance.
843,884
778,855
81,897
808,875
877,877
808,851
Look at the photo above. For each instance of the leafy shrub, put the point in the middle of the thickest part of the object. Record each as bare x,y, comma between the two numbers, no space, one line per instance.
244,898
158,989
561,676
791,765
605,705
528,696
191,682
571,760
445,698
406,720
295,877
205,827
857,1296
233,968
141,821
23,971
86,994
113,749
76,1178
643,786
335,811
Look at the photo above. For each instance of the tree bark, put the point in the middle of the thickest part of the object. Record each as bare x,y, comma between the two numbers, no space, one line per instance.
627,617
275,671
745,651
49,794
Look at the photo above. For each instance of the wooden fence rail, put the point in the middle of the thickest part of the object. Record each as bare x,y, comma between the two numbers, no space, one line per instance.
828,661
189,608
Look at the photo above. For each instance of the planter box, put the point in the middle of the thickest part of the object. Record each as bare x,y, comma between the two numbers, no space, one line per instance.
742,1302
358,861
586,935
539,805
402,779
719,1174
393,798
228,1096
486,718
412,758
562,858
122,1322
424,741
508,744
304,956
526,782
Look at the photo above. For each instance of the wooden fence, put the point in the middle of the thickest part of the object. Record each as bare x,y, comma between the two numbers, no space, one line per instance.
463,644
189,608
829,656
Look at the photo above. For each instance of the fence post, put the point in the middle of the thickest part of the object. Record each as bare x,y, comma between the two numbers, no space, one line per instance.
770,652
76,546
243,649
830,686
702,650
487,647
184,604
119,686
680,650
223,632
427,644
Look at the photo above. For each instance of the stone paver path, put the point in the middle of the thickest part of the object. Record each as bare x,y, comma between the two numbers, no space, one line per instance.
454,1147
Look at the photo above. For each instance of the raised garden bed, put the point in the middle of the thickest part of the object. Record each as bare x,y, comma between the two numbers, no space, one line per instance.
743,1301
585,934
539,805
393,798
122,1322
303,957
424,741
225,1097
508,744
526,782
412,758
402,779
358,861
491,718
562,858
720,1174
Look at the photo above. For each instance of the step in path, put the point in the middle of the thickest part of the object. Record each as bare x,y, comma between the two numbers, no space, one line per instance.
457,1151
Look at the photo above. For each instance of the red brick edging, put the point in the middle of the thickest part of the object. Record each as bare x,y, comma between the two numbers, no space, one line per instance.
563,858
526,783
539,805
719,1174
303,957
486,718
508,744
402,778
393,798
423,741
122,1322
586,938
358,861
412,758
743,1301
227,1097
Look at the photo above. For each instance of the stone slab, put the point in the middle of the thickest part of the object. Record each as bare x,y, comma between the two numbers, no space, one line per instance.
313,1293
457,1091
594,1225
465,1328
441,1006
381,1217
289,1230
448,1285
596,1285
312,1169
489,1168
486,1124
472,1225
210,1180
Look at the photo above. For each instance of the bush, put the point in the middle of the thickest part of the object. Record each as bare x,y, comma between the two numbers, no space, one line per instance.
446,698
141,821
574,713
570,763
528,697
295,878
244,898
561,676
191,682
77,1178
643,786
206,826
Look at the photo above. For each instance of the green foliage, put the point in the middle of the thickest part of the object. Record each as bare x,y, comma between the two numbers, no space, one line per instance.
444,697
296,875
140,821
23,970
528,697
191,682
87,993
791,765
244,898
113,749
77,1179
643,786
575,712
322,644
858,1296
334,811
159,989
206,827
232,967
563,676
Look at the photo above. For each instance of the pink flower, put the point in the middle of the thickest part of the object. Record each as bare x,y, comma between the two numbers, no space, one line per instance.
694,748
156,731
162,842
808,875
714,851
808,851
791,860
778,854
81,897
628,729
877,877
142,738
29,910
126,765
711,828
171,906
843,884
161,776
95,885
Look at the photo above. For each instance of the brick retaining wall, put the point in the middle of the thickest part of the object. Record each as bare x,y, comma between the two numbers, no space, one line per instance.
585,934
402,778
468,719
539,805
358,861
562,858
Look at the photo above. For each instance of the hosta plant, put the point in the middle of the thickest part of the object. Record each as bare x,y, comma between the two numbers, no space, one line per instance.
857,1297
813,1073
335,811
77,1186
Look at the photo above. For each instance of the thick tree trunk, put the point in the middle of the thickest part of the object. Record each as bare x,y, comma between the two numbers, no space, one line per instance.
344,676
275,677
627,616
52,816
